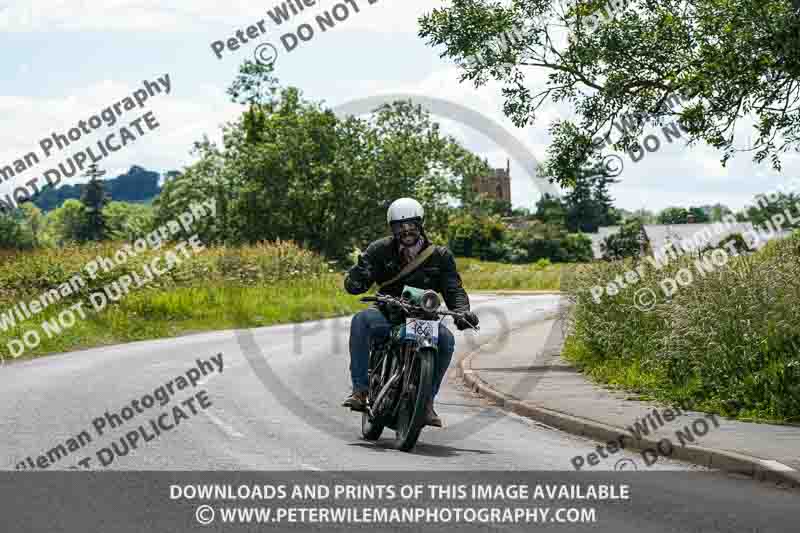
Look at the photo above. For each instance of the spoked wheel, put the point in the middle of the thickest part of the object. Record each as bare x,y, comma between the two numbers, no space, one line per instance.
371,429
411,412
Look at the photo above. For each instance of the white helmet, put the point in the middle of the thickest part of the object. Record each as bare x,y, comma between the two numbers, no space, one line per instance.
405,209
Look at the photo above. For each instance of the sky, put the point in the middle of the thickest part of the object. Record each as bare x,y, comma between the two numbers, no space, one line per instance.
64,61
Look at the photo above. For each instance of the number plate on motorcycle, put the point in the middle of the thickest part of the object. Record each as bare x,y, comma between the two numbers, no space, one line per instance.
416,328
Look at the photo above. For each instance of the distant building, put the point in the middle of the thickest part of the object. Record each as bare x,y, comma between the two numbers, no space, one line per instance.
497,185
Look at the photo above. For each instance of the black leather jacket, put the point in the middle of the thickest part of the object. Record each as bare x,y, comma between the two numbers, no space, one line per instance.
381,261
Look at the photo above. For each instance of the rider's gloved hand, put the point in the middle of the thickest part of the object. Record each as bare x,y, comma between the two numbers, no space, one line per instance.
469,320
358,279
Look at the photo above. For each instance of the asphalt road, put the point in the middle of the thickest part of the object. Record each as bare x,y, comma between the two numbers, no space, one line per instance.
291,420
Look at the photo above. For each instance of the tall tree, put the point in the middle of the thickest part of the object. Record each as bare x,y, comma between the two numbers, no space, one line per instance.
763,209
698,215
207,179
628,242
588,203
482,203
12,232
582,210
673,215
724,62
66,224
551,210
34,222
289,168
94,199
128,221
719,210
607,214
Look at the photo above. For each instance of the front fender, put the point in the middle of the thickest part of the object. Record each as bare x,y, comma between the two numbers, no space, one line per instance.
427,343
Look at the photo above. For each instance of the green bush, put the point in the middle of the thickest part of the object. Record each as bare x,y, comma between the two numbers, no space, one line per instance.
489,239
626,243
728,343
128,221
13,235
551,242
469,235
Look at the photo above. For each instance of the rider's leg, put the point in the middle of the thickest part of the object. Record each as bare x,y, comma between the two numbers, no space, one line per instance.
447,344
367,324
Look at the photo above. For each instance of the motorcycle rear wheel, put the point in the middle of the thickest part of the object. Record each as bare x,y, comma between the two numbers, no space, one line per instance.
411,412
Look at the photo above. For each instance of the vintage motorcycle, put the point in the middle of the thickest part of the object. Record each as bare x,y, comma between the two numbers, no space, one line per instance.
401,366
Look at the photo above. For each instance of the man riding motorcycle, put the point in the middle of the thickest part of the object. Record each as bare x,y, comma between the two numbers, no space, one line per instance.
382,261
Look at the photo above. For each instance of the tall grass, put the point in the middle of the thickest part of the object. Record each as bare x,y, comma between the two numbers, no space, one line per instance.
28,274
728,343
218,288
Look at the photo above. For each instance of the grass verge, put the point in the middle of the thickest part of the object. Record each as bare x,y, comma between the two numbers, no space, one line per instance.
151,315
726,342
484,275
217,289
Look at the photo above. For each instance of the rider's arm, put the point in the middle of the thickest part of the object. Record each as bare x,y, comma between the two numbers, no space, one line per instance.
360,276
453,291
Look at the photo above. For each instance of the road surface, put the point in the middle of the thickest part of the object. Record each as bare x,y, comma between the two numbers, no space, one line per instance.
282,413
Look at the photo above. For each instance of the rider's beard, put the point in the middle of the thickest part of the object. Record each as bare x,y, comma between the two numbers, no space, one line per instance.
410,246
409,239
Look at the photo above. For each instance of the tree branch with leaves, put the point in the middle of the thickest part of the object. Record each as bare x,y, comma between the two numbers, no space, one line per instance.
735,60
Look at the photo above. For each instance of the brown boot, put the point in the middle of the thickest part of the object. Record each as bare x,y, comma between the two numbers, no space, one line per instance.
357,401
431,418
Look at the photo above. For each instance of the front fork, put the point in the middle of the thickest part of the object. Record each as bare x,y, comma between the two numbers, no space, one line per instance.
425,347
410,352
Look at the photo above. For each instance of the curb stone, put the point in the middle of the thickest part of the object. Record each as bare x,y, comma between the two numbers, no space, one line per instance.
727,461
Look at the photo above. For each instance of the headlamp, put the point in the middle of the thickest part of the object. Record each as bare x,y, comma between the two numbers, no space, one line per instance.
430,301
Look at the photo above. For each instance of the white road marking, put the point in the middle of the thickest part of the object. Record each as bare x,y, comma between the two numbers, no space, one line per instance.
228,430
207,379
775,465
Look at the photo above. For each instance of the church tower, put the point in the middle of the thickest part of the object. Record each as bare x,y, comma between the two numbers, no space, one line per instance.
497,185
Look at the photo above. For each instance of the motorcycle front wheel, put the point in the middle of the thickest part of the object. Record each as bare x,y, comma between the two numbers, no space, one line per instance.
411,411
370,429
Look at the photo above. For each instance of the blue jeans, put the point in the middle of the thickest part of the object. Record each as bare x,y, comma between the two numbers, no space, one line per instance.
371,324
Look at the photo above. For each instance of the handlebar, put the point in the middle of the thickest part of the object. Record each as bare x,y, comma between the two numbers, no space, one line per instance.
408,307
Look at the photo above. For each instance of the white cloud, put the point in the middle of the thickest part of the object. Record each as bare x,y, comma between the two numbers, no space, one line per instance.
116,15
675,175
181,122
385,16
